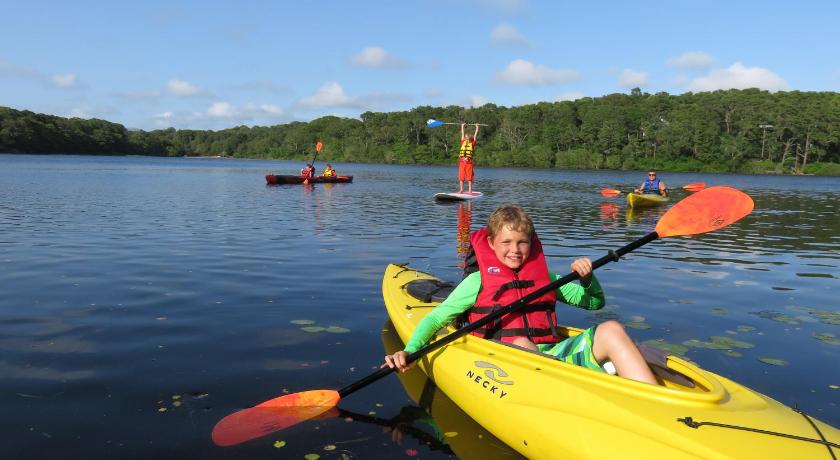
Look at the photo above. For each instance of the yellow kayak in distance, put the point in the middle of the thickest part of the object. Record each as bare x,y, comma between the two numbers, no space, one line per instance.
639,200
545,408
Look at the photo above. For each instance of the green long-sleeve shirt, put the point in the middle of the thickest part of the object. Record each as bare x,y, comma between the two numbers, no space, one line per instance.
464,295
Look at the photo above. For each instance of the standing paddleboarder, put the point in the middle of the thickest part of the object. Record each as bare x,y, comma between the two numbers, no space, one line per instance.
465,159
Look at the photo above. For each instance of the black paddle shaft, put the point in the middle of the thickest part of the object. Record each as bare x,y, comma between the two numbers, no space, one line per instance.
611,256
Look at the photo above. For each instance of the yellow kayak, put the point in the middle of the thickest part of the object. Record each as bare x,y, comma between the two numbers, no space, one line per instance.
464,437
639,200
545,408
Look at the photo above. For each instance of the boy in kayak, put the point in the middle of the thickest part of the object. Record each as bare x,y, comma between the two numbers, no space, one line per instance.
511,265
652,185
329,171
465,159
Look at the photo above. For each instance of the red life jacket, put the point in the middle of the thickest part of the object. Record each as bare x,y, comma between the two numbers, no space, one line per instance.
501,286
305,173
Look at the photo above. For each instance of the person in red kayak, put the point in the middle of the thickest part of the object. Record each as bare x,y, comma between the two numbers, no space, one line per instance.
308,171
329,171
652,185
512,264
465,159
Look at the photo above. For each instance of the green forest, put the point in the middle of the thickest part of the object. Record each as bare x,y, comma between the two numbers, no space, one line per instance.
750,131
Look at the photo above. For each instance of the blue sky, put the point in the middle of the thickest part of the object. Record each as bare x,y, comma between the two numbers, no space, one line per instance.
214,65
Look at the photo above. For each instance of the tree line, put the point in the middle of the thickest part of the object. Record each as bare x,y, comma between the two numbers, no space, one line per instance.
748,130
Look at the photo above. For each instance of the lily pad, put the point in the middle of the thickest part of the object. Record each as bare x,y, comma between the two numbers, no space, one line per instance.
729,342
745,328
718,342
337,329
672,348
694,343
329,447
773,361
732,353
775,316
302,322
823,316
638,325
720,311
311,456
827,337
312,329
279,444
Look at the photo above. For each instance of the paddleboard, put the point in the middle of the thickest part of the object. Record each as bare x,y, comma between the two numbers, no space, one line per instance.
453,196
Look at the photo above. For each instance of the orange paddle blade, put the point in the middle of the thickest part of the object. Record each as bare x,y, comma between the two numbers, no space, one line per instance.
610,192
706,210
319,146
273,415
695,187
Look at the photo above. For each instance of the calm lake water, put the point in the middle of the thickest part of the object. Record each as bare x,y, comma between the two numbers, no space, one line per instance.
143,299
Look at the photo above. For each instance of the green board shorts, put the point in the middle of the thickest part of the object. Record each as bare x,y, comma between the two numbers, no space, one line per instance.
575,350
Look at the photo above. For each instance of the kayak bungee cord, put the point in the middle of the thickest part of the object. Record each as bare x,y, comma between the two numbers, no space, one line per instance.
828,444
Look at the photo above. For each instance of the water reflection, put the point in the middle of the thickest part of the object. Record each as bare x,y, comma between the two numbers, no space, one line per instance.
439,416
609,215
464,228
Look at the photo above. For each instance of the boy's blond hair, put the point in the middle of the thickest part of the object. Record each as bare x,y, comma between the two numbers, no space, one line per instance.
510,216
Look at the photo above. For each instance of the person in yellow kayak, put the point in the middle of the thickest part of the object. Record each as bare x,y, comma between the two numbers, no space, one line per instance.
329,171
511,265
652,185
465,159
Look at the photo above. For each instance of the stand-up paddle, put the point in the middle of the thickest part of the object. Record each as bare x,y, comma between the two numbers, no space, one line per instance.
702,212
432,123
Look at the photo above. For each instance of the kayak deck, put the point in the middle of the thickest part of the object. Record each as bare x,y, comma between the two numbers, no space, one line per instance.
545,408
638,200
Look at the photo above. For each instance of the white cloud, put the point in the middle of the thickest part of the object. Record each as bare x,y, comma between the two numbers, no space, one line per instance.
329,95
522,72
570,96
164,115
64,81
506,33
221,110
737,76
245,112
631,78
376,58
184,89
692,60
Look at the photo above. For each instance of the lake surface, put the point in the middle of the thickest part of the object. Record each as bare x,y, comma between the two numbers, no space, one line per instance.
143,299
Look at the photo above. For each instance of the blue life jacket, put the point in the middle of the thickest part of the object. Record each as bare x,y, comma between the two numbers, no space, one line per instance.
651,186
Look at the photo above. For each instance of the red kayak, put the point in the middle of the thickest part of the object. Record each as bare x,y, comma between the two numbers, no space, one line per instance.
278,179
